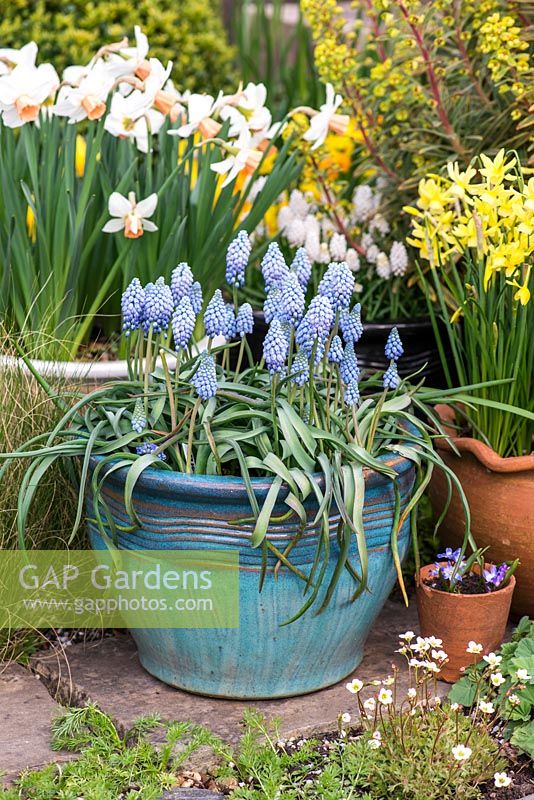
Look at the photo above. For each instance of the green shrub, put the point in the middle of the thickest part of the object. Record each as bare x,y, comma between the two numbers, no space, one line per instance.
188,32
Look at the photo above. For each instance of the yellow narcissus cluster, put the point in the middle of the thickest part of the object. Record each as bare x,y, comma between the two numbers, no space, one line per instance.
487,210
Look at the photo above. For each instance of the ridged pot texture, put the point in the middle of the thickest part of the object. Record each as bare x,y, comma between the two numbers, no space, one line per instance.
260,659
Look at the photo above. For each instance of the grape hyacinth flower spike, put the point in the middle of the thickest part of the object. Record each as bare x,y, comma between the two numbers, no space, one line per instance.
195,295
320,316
158,307
147,448
350,323
394,349
183,323
204,379
300,369
352,394
181,281
335,353
293,300
139,416
301,266
273,267
348,368
391,376
244,322
216,316
132,307
338,285
237,257
272,307
275,348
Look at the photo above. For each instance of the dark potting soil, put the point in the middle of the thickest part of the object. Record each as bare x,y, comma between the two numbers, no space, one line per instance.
470,584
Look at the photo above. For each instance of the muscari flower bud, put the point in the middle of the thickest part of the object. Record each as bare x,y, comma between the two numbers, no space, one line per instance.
393,349
181,281
215,316
183,323
273,266
275,347
205,378
149,447
293,300
237,257
158,307
138,416
300,369
132,305
301,265
350,323
244,322
391,377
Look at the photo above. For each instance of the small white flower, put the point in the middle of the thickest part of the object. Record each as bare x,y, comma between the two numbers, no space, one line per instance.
377,735
461,752
133,117
345,718
130,216
383,268
298,204
474,647
385,696
87,100
374,744
247,110
501,780
421,645
522,675
430,666
389,681
497,679
200,107
408,636
492,659
353,259
455,706
326,119
338,247
412,693
398,259
415,663
434,642
440,655
355,686
486,707
370,704
514,700
364,203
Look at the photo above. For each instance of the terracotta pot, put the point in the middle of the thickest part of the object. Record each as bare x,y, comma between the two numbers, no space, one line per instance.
500,493
458,619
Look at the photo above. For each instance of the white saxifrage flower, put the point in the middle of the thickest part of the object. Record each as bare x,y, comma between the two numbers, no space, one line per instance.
326,119
130,216
523,675
345,718
492,659
486,707
385,697
461,752
24,90
412,693
501,780
370,704
474,648
497,679
354,686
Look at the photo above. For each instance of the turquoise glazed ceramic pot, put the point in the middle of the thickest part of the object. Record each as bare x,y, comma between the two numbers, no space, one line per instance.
261,659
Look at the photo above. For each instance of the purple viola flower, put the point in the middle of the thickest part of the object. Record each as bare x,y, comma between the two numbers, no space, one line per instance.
495,575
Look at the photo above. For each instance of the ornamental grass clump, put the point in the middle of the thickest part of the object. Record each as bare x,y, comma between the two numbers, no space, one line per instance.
304,416
473,229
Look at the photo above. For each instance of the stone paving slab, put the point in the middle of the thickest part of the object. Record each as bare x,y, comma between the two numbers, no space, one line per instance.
109,674
26,713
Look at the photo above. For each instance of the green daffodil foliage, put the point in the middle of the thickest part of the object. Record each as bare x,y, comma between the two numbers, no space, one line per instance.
303,416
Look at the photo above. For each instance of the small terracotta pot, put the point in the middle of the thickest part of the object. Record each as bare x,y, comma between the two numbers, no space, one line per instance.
458,619
500,493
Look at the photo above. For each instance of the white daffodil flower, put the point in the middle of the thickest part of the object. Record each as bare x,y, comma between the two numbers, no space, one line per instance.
133,117
129,215
24,90
131,60
248,111
200,108
11,58
86,100
242,158
326,119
